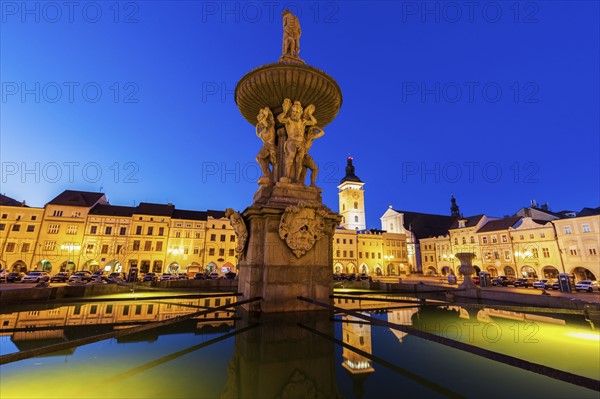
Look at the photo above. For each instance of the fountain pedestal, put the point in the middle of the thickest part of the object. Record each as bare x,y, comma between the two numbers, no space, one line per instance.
466,269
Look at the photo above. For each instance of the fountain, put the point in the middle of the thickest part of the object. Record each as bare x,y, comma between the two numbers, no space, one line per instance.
286,235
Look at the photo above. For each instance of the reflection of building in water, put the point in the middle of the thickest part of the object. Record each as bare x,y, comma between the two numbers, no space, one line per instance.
486,315
402,317
37,328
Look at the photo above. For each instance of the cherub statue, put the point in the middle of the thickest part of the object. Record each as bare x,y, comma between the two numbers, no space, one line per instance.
295,125
265,130
239,226
291,34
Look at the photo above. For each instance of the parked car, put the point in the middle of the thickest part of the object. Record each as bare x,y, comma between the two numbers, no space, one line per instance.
116,277
543,284
168,276
587,285
36,277
499,280
99,274
3,274
60,277
182,276
150,277
213,276
504,281
200,276
81,276
523,282
475,279
14,277
555,285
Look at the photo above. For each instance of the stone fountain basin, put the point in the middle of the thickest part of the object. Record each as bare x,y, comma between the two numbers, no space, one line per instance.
270,84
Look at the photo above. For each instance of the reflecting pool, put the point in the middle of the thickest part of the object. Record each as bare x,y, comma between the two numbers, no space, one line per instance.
355,352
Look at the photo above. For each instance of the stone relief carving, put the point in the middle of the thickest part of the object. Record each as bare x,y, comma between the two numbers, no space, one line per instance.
267,155
299,386
296,120
239,226
301,226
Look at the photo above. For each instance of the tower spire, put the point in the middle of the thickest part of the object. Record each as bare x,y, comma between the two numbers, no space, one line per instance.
454,209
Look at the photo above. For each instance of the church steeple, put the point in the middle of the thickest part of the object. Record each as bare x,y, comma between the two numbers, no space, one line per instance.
352,200
350,175
454,210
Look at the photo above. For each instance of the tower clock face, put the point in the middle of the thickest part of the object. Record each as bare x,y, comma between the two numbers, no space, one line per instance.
355,195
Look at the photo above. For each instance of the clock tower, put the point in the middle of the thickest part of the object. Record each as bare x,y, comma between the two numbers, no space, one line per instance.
352,200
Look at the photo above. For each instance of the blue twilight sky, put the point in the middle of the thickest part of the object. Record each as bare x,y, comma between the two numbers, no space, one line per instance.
495,102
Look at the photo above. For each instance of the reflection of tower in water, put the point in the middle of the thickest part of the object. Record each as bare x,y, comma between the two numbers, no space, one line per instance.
356,333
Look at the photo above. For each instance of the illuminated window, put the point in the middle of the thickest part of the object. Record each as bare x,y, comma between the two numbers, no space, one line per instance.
585,228
72,229
53,229
567,229
545,253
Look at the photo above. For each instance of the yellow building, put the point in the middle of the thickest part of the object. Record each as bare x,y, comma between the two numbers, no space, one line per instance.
579,243
436,256
496,247
463,237
19,230
535,249
62,232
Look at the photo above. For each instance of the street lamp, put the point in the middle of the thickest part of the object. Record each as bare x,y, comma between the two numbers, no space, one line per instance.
174,252
523,255
70,247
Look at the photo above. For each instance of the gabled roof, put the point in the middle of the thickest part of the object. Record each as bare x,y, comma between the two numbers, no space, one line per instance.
112,210
189,215
7,201
500,224
471,221
78,198
148,208
424,225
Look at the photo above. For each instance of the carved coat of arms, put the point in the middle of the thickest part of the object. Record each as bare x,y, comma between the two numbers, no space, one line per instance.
301,226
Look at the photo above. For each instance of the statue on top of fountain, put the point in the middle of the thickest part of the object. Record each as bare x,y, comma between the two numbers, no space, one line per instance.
291,38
